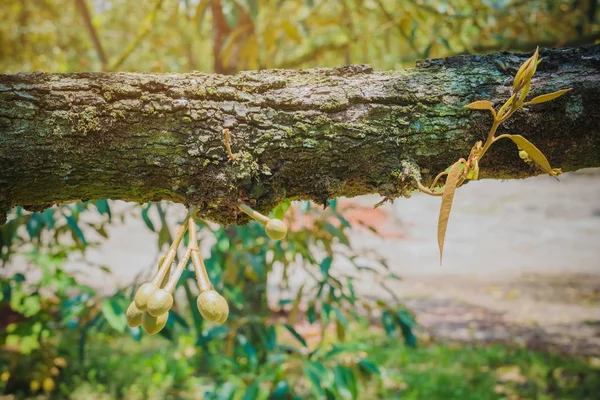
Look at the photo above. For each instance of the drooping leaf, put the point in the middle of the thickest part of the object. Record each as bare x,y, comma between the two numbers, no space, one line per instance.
104,208
547,97
315,378
280,210
176,318
75,229
341,382
281,391
296,306
340,330
387,320
535,154
227,391
311,313
369,366
145,217
447,197
252,391
325,266
248,349
114,314
296,334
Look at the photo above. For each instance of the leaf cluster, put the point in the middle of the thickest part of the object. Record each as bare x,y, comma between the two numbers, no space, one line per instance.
468,169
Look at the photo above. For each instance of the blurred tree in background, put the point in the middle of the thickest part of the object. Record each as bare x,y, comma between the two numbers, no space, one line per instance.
226,36
259,353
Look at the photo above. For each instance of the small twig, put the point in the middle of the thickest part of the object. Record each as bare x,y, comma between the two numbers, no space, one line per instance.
145,29
227,140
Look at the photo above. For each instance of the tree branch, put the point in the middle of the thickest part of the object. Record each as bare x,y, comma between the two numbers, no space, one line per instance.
87,19
311,134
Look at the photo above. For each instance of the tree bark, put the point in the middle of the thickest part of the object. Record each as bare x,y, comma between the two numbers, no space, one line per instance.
311,134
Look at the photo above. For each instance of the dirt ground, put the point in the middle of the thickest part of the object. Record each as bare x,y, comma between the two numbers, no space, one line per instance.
521,262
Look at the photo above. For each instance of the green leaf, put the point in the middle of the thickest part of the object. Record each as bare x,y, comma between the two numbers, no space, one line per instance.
227,391
230,12
325,266
315,379
280,210
176,318
114,314
369,366
296,334
145,217
103,208
296,306
343,382
31,305
281,391
164,236
75,229
252,391
387,320
248,349
311,314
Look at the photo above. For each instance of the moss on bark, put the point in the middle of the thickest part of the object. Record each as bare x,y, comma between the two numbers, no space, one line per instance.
311,134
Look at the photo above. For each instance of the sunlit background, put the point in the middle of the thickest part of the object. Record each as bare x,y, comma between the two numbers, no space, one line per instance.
354,304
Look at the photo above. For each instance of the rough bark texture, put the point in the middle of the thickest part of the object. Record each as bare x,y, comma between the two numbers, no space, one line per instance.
311,134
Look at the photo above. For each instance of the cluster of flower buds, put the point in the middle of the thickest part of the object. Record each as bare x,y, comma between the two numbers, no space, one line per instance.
154,299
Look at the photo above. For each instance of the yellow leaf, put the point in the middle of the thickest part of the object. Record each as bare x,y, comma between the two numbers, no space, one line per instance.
526,70
294,311
474,173
447,197
481,105
506,105
519,75
534,153
292,31
547,97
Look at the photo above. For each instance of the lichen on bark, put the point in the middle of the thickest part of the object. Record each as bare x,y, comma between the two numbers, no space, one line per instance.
311,134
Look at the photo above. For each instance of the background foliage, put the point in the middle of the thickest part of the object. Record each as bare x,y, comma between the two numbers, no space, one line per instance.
319,339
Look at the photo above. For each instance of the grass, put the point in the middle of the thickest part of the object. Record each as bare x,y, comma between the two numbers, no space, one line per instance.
449,371
157,369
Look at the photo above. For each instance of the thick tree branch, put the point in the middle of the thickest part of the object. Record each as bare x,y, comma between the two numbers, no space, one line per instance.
311,134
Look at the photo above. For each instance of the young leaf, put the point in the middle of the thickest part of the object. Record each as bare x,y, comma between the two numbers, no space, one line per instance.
481,105
547,97
447,197
535,154
296,335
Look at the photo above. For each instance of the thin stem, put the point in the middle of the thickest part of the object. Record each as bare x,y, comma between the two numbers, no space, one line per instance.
172,252
437,178
427,190
202,279
165,267
490,138
261,219
193,238
178,271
